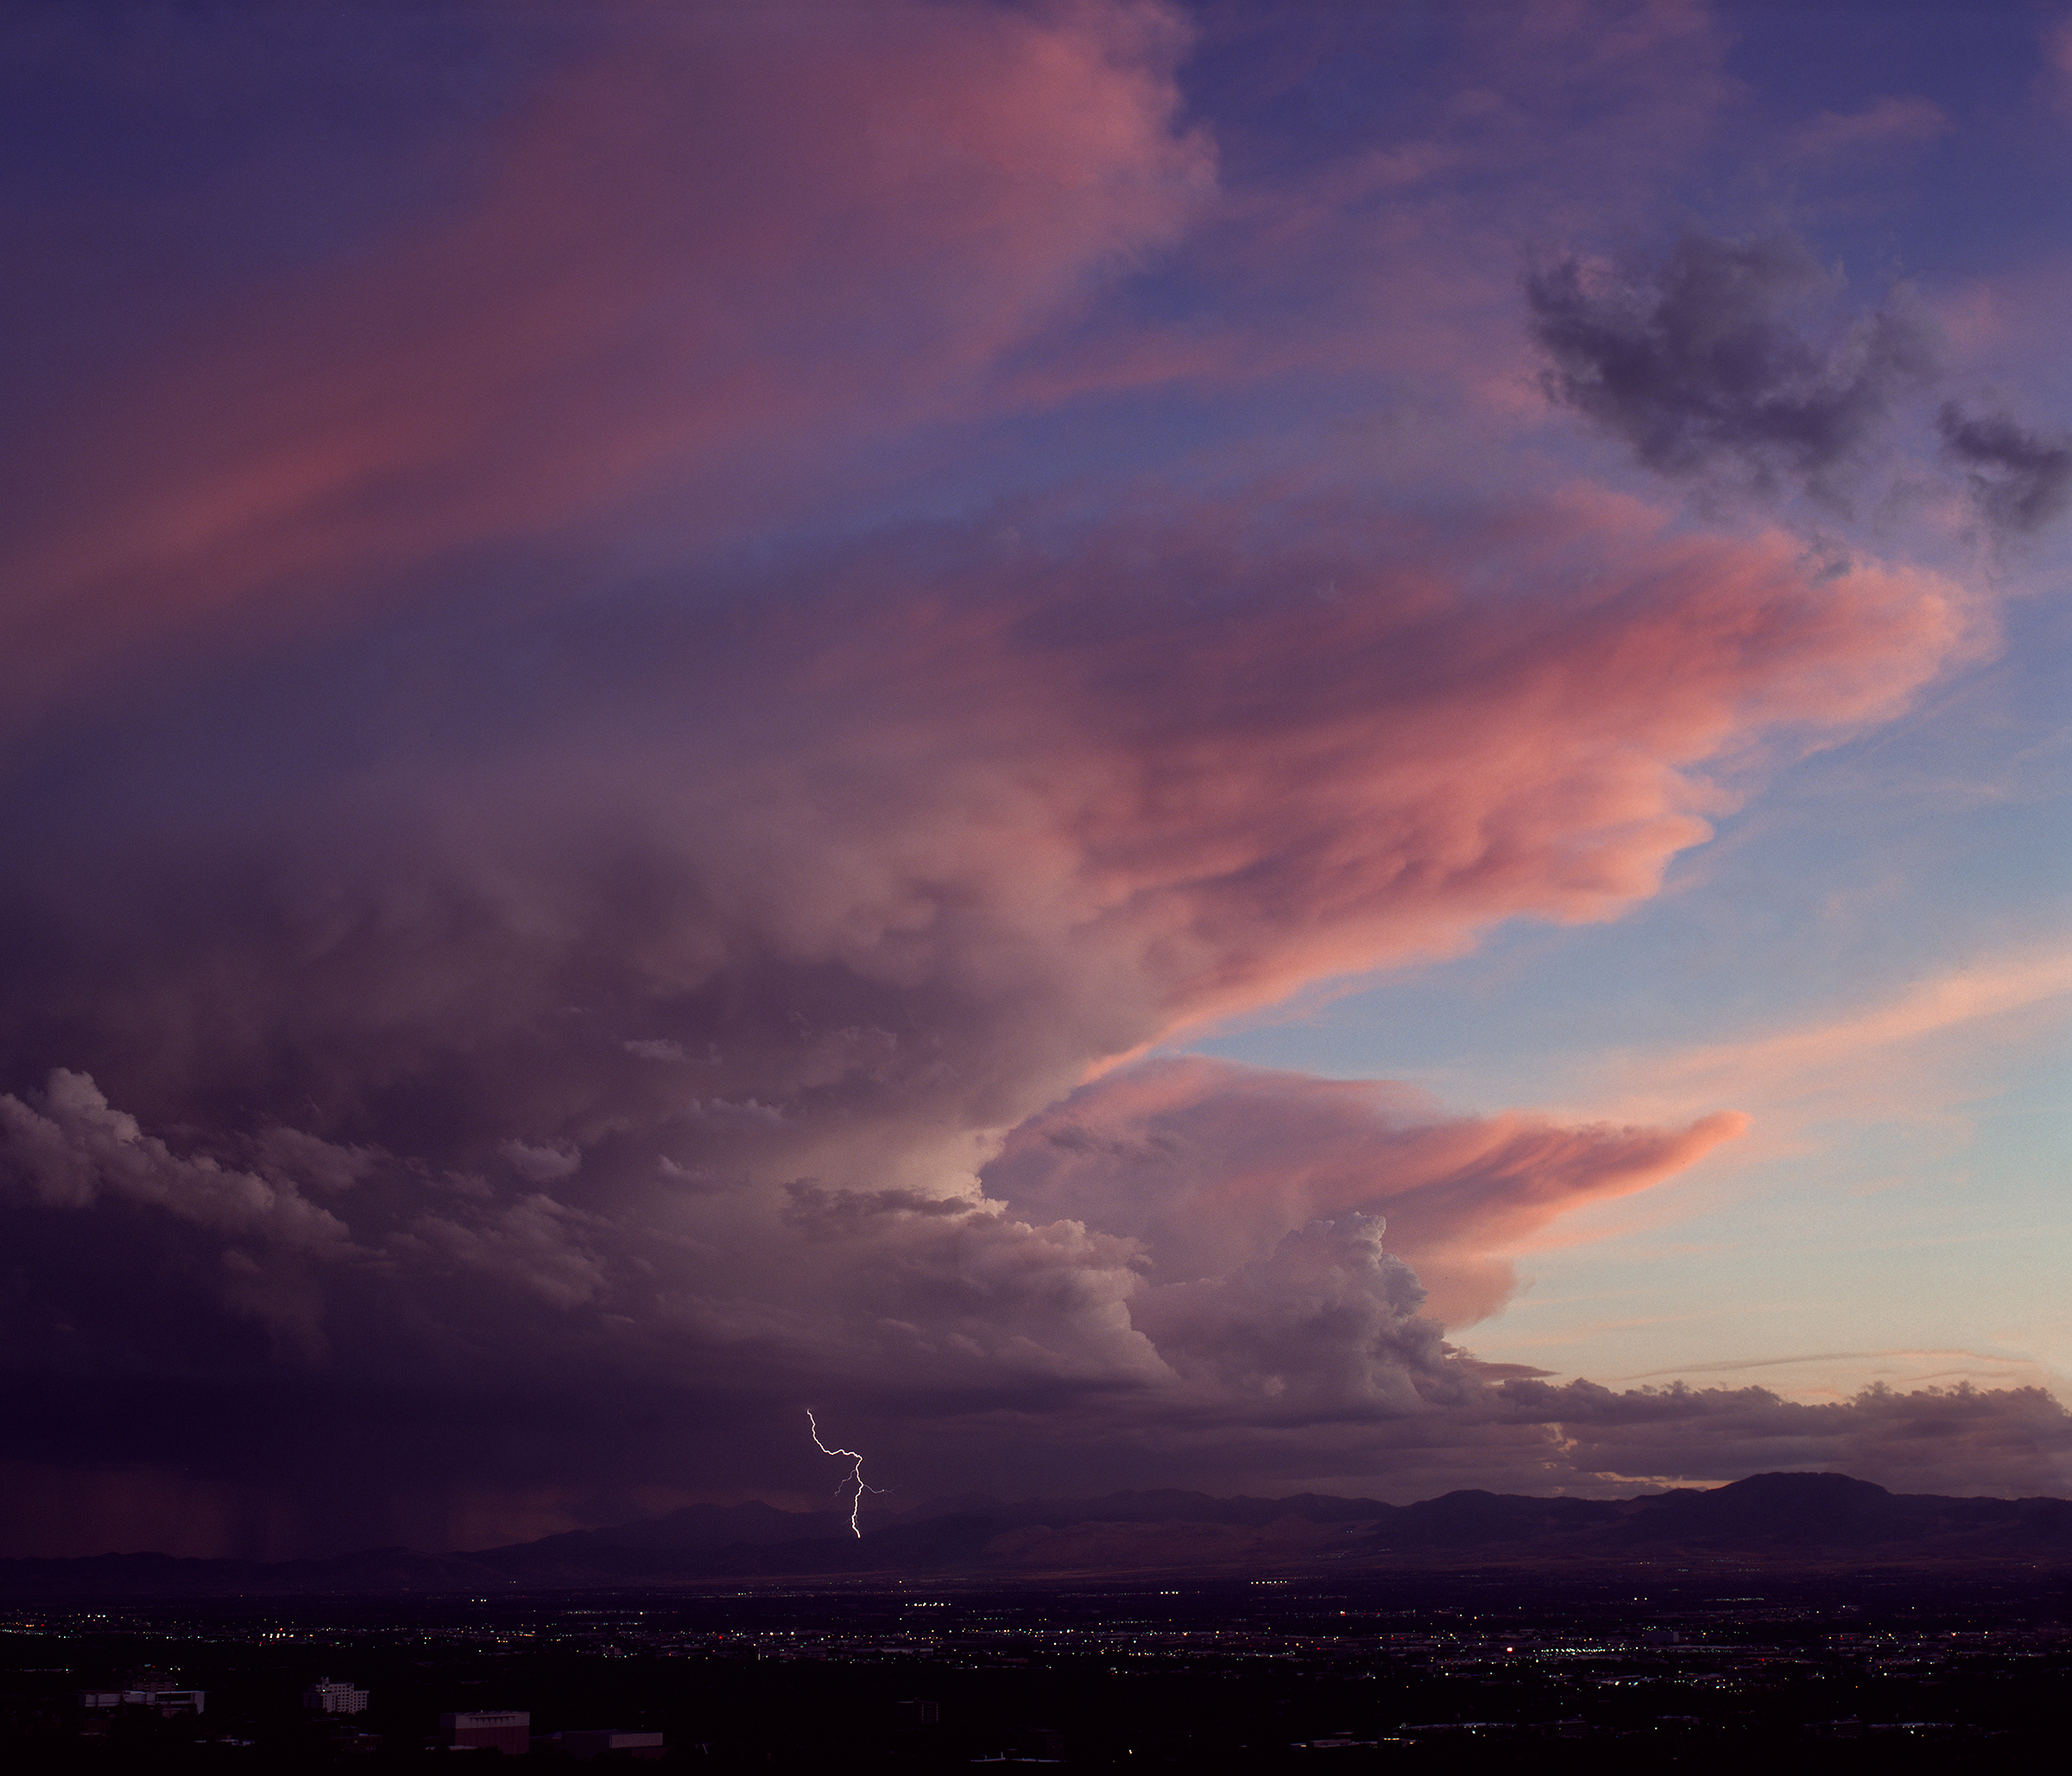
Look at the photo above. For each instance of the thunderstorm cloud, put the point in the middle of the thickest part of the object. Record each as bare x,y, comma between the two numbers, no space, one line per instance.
629,747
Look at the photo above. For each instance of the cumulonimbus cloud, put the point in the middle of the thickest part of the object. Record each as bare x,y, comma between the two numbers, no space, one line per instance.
1211,1165
645,1032
516,1013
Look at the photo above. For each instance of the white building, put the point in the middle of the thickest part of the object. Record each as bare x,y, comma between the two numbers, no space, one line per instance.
334,1698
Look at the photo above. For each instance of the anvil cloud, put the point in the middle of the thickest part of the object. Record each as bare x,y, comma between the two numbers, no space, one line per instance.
601,824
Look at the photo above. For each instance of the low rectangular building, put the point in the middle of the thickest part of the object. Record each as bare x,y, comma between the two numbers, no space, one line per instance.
505,1729
166,1700
585,1743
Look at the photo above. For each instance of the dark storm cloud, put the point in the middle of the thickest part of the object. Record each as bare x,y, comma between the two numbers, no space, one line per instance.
1730,353
2020,479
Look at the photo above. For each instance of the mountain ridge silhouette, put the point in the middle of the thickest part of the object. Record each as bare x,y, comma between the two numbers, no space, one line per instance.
1784,1518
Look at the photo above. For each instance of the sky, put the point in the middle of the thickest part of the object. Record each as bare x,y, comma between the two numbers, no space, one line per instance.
1261,747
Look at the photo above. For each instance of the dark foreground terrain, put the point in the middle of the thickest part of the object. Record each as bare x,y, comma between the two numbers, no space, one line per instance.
1812,1615
1622,1668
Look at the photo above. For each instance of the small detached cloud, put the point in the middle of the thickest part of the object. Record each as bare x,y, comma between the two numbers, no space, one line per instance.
1727,356
1890,121
2057,54
2020,479
544,1164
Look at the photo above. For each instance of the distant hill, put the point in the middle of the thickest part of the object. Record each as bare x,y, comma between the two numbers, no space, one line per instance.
695,1527
1801,1521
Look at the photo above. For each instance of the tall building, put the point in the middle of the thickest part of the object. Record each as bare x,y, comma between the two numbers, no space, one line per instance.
334,1698
506,1729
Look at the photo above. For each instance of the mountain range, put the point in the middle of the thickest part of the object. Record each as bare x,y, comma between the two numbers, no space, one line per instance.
1805,1522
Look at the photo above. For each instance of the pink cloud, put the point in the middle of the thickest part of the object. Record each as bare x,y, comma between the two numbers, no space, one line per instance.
1073,788
1397,260
1459,759
2057,52
725,237
1855,1052
1211,1166
723,250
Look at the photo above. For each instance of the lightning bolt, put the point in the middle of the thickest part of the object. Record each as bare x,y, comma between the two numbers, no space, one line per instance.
856,1473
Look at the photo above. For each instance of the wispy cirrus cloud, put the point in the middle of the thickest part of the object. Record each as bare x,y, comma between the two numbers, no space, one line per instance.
1859,1056
1893,121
